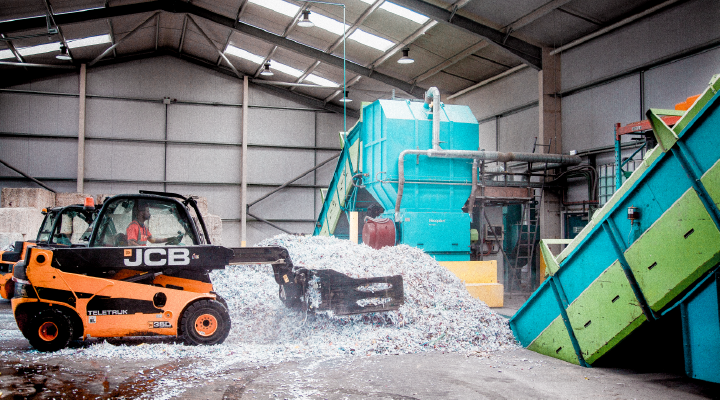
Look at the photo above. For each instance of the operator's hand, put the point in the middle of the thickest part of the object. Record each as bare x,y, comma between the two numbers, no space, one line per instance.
175,239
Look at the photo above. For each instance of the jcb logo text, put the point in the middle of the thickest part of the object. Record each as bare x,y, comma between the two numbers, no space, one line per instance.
153,257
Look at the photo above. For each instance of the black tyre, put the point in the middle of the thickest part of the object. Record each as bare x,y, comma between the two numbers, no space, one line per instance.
205,322
49,330
222,301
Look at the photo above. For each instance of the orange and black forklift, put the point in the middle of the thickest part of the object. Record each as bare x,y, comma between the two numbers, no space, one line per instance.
144,270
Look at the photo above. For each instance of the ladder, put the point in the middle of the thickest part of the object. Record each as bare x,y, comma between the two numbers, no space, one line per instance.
527,234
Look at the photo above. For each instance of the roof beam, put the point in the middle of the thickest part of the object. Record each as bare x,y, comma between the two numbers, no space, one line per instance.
536,14
177,6
212,44
526,52
132,32
451,61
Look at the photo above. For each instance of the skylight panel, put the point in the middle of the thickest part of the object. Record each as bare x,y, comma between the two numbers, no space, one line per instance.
371,40
81,10
53,47
319,80
401,11
238,52
283,7
359,35
6,54
89,41
328,24
285,68
43,48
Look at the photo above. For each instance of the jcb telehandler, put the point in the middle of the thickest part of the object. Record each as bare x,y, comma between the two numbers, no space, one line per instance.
144,271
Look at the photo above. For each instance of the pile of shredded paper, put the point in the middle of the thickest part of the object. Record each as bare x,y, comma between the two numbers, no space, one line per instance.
438,313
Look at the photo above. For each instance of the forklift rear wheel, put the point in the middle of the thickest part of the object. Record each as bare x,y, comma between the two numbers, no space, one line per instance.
49,330
205,322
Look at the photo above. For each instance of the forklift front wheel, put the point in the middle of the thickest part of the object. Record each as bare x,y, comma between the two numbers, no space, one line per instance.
49,330
205,322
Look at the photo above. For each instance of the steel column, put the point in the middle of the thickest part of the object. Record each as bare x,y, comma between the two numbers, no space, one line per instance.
81,131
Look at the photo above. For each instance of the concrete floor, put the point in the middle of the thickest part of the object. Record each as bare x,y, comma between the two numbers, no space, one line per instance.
516,374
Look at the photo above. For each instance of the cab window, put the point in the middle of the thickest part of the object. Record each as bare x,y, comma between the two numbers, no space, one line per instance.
143,222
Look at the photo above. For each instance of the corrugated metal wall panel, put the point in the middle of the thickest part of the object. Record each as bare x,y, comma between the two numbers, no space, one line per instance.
123,119
517,131
675,29
589,116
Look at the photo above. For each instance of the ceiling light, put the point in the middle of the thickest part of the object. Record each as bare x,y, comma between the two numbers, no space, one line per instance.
63,54
405,59
266,70
345,98
305,21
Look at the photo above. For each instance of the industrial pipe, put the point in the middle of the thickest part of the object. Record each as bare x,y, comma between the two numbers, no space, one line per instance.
473,192
477,155
434,94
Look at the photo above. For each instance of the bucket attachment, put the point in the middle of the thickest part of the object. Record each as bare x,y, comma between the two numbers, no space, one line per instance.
344,295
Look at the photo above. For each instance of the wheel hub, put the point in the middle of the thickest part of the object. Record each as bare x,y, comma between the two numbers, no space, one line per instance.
206,325
48,331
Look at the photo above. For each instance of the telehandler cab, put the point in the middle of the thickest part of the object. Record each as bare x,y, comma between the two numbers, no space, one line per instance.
145,271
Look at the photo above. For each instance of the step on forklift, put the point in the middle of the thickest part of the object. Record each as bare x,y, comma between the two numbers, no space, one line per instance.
144,271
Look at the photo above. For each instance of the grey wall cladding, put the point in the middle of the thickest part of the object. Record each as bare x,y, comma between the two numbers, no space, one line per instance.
127,124
675,29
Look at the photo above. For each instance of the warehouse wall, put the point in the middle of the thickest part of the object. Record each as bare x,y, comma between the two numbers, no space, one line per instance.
127,126
656,61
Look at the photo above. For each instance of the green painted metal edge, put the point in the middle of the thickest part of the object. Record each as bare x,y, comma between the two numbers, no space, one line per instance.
675,251
606,312
343,189
665,136
555,342
711,181
551,265
705,97
650,158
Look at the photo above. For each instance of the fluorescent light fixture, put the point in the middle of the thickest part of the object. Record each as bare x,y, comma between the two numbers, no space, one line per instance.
6,54
368,39
238,52
283,7
319,80
89,41
286,69
401,11
305,21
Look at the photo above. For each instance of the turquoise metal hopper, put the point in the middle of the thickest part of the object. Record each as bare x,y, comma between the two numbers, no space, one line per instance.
432,184
435,189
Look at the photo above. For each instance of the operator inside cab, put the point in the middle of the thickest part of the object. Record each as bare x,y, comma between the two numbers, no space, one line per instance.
137,233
